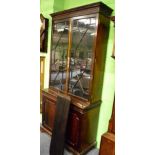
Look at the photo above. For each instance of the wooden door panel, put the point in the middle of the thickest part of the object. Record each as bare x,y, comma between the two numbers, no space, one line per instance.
60,123
49,113
73,129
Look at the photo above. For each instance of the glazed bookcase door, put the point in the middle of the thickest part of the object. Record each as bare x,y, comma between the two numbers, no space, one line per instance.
82,46
58,65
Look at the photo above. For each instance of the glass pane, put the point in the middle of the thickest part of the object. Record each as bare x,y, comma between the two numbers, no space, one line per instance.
59,55
81,56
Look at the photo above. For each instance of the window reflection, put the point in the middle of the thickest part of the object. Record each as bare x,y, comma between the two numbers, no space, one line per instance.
59,55
81,56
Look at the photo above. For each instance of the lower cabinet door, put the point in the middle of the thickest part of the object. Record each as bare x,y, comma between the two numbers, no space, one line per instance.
73,129
49,107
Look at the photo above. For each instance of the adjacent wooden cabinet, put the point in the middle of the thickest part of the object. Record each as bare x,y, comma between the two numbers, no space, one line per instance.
107,145
77,62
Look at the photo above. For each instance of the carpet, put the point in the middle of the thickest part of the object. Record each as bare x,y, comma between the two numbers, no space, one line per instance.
45,144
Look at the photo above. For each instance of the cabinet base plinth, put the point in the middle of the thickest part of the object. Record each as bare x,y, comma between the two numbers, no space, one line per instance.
75,152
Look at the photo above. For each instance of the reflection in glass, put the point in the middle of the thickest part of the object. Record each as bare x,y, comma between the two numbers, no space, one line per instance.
59,55
83,32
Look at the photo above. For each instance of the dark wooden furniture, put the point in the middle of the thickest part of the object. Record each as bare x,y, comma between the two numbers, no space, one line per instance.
59,128
43,33
78,53
107,145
